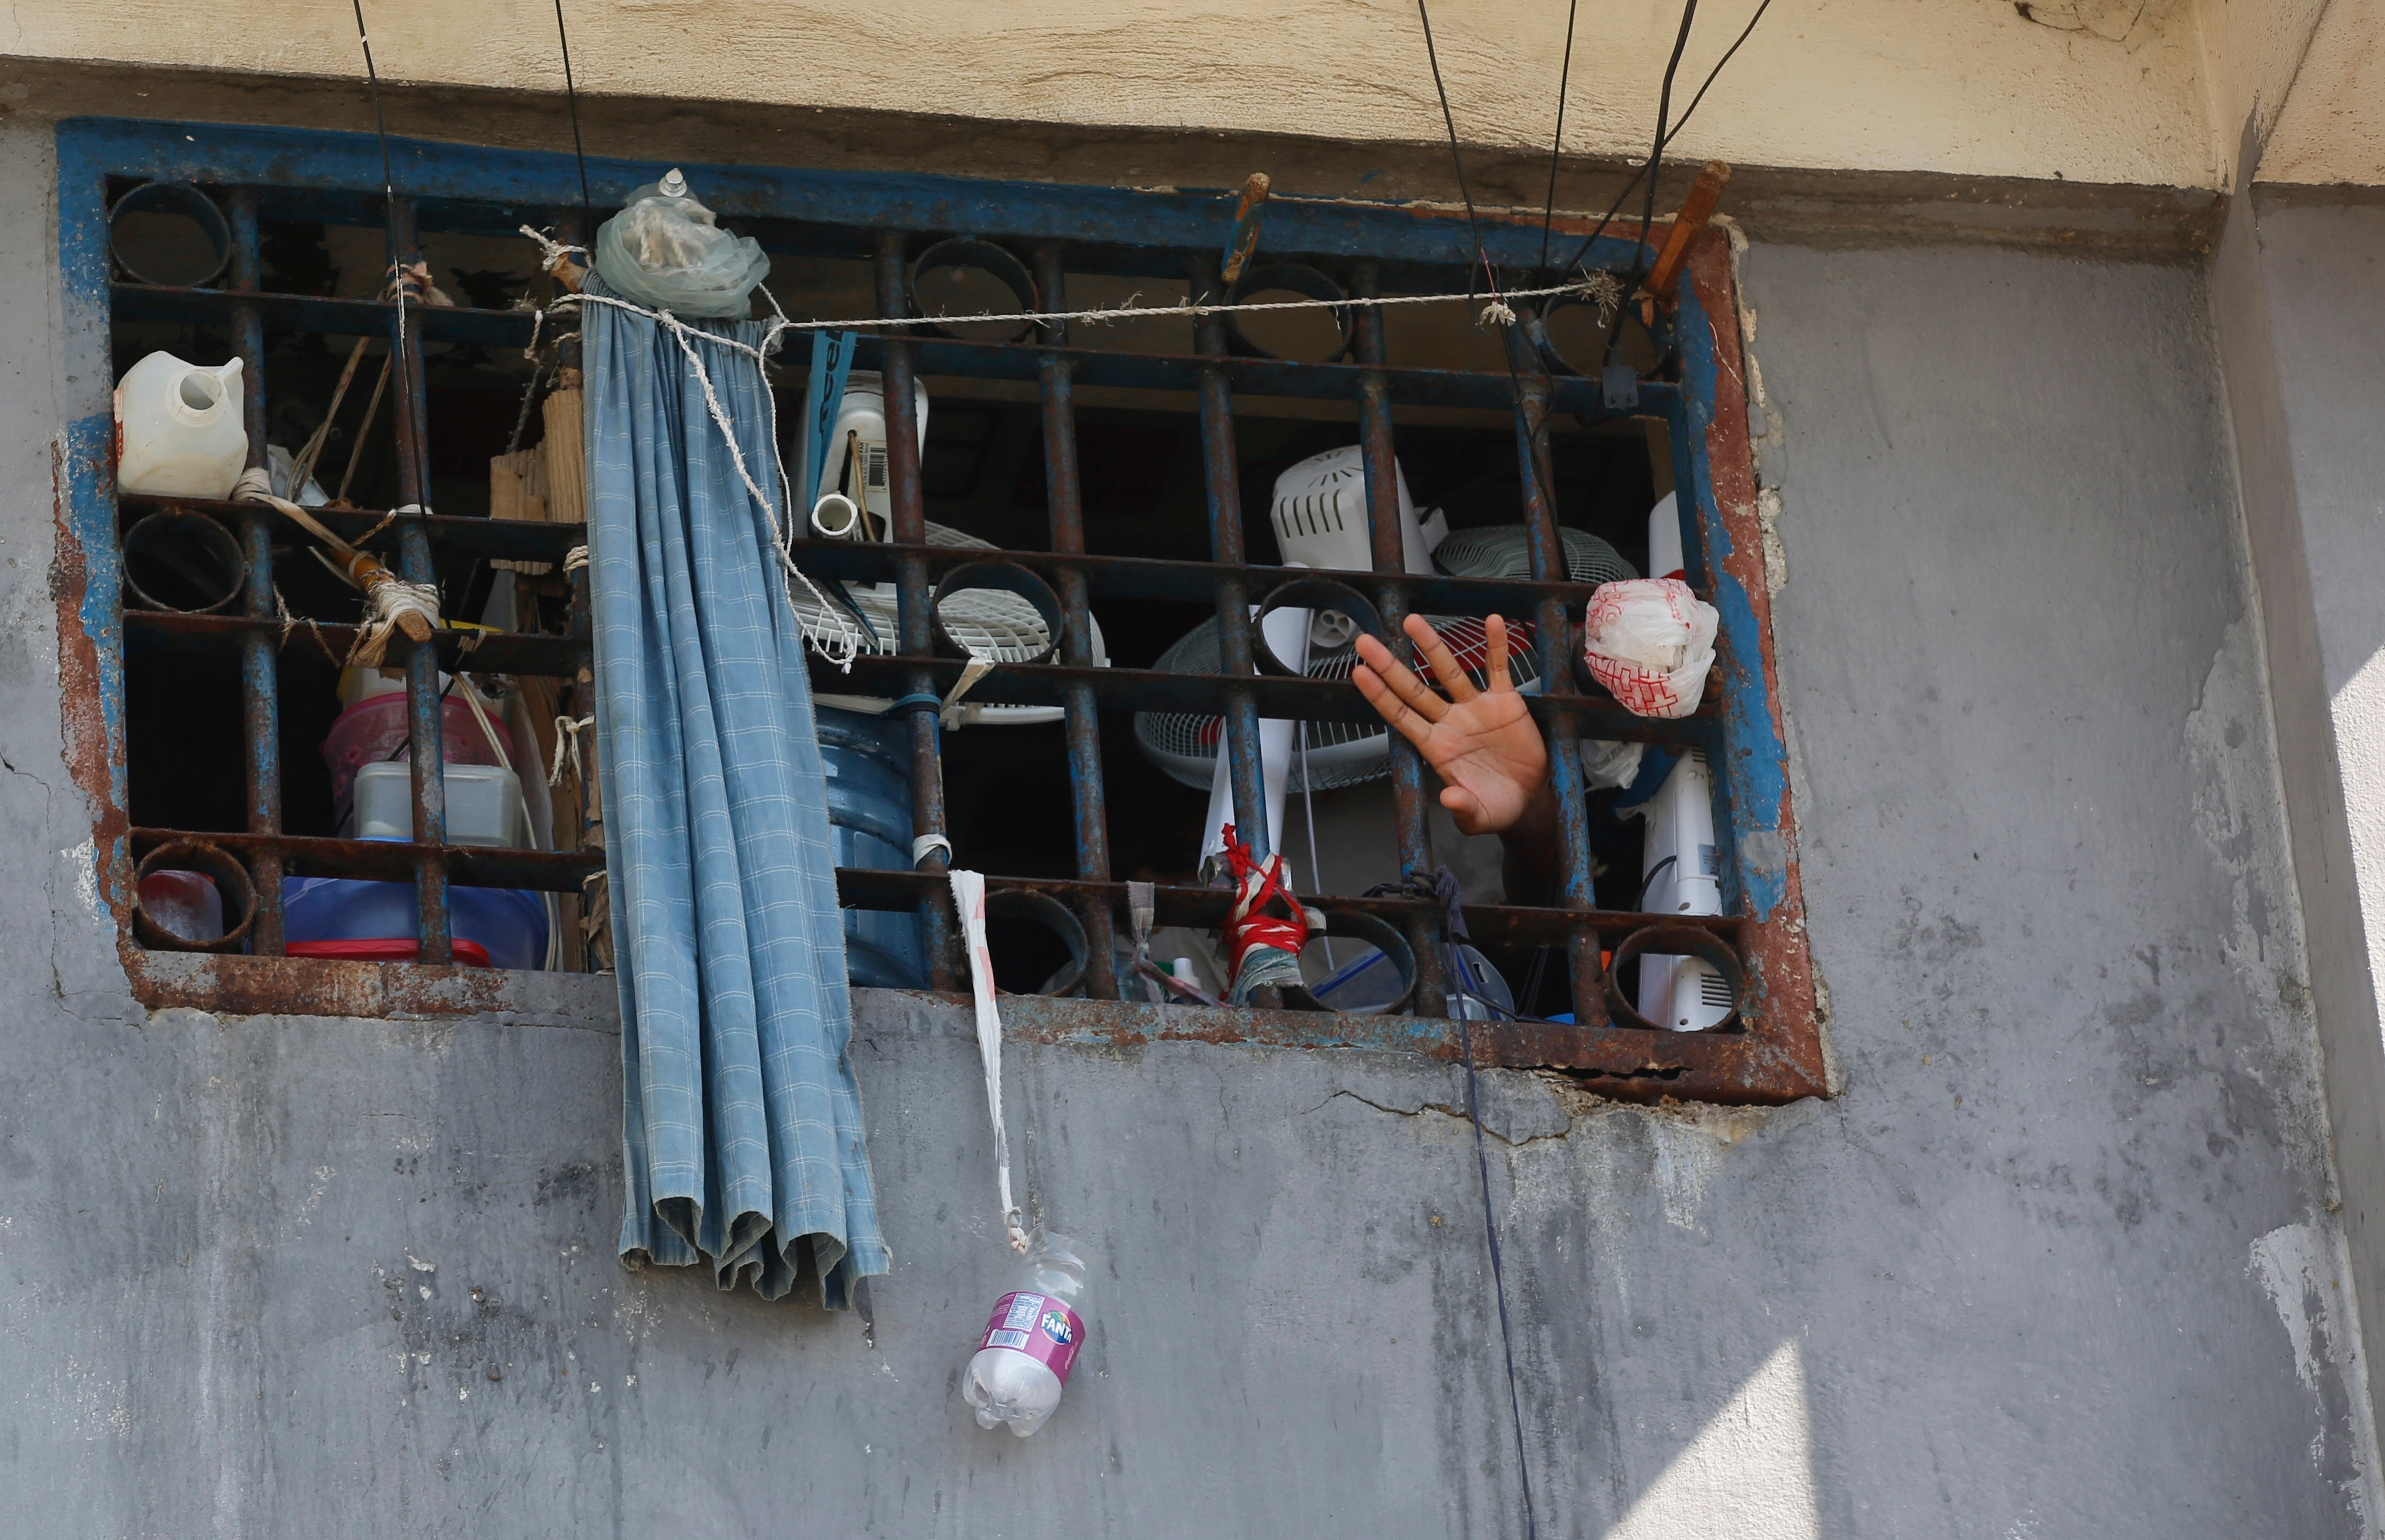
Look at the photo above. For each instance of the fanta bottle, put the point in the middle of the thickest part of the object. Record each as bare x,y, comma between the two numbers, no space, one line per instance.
1029,1344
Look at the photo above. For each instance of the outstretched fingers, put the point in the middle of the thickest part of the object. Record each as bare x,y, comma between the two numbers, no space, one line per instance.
1393,676
1445,663
1494,637
1404,719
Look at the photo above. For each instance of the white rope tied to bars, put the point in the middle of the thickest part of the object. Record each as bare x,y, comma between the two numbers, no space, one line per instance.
969,896
386,606
1598,288
574,559
844,645
566,748
390,600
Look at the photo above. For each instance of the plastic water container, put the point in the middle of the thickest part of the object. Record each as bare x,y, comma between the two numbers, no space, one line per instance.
484,805
507,925
181,430
375,730
868,764
862,414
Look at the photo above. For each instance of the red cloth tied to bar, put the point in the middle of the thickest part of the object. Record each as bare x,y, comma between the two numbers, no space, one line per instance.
1257,883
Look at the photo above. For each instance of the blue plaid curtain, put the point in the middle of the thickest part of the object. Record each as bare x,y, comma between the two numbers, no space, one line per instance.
741,1124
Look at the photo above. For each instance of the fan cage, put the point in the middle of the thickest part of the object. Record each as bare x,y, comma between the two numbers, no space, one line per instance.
1184,744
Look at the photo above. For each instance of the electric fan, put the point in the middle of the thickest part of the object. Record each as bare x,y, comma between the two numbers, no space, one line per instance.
990,622
1329,511
1505,551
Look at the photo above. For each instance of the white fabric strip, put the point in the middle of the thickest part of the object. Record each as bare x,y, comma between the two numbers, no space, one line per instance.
968,895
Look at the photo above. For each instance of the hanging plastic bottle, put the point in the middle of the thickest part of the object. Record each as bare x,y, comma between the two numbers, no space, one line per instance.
181,430
1031,1339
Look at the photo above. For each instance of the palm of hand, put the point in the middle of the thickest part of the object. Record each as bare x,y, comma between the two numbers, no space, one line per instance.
1484,743
1491,757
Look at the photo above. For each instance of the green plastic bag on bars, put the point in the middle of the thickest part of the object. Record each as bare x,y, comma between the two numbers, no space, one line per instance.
665,250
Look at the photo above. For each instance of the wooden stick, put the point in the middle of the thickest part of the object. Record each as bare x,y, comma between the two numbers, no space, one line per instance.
1244,238
1695,210
364,430
305,465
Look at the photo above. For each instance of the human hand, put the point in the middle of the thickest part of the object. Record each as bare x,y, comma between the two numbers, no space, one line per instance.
1484,743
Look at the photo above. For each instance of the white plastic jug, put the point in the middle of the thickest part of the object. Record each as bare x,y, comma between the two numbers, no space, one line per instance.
862,415
180,428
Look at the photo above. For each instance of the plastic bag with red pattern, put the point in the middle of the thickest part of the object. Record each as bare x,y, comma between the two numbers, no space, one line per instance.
1650,641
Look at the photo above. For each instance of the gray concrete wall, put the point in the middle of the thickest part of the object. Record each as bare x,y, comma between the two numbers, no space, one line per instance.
2299,313
2057,1260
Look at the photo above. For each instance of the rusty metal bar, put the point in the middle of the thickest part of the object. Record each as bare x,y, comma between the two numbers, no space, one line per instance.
1221,478
409,395
869,888
502,652
1376,450
1112,688
519,539
913,593
415,565
395,861
1064,498
260,679
1111,577
1152,578
1491,924
1554,643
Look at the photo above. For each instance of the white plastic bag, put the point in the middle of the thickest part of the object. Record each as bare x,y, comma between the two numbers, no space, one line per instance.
1650,641
665,250
1606,763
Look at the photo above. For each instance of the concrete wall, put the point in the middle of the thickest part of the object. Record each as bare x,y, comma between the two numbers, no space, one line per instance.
2058,1258
2099,91
2300,301
2332,128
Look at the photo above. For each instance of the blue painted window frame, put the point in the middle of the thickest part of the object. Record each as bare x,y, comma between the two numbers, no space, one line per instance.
469,187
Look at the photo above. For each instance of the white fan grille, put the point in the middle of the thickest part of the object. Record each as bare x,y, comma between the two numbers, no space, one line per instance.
988,621
1184,744
1504,551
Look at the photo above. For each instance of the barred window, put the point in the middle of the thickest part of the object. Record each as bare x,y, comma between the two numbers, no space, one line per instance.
1108,507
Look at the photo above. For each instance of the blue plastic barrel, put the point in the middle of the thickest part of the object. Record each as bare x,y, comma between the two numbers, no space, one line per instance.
510,925
868,764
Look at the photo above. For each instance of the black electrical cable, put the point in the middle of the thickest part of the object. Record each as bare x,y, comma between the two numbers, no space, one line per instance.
571,95
1491,1234
1656,164
1650,880
1744,33
1557,140
1674,132
1432,57
399,372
